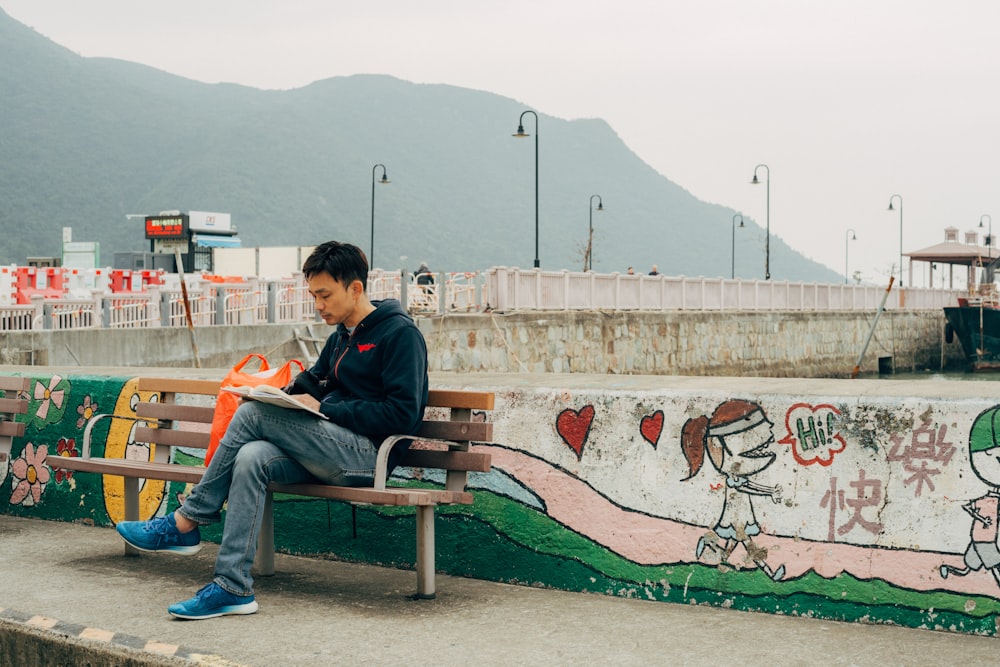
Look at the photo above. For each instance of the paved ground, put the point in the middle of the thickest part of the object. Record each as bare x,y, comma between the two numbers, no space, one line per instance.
76,580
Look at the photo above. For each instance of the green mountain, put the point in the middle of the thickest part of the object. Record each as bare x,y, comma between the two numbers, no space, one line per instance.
86,141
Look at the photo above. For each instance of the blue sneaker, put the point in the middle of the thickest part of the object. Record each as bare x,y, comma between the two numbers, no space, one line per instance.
211,601
160,534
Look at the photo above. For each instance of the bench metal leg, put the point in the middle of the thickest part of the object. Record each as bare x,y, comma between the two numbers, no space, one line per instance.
131,508
265,540
425,553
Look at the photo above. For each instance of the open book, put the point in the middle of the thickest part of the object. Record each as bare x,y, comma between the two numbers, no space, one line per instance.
273,395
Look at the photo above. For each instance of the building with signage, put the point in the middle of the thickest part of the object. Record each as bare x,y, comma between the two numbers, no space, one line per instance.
194,234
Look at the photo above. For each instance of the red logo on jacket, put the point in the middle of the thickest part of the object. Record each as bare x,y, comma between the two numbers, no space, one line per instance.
364,347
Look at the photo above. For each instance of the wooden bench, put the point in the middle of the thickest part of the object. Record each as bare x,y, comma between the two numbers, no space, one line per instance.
169,422
11,405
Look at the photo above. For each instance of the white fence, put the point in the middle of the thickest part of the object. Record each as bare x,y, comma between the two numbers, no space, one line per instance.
515,290
257,301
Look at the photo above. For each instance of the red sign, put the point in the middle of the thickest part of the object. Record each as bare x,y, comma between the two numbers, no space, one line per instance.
166,227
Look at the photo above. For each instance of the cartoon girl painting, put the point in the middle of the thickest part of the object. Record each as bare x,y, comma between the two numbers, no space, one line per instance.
983,551
736,438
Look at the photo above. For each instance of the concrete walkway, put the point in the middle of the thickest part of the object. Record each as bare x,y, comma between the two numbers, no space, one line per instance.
72,583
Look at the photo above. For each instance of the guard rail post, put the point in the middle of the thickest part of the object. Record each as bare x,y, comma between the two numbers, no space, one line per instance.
272,303
220,305
164,309
106,312
152,306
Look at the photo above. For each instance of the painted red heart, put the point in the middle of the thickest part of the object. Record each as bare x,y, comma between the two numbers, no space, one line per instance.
651,427
574,427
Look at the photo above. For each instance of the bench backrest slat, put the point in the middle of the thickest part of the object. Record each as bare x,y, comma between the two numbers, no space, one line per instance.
172,438
456,430
14,383
10,429
180,386
175,411
473,400
445,460
13,406
10,407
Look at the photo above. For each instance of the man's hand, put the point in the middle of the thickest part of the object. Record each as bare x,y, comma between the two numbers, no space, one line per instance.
307,400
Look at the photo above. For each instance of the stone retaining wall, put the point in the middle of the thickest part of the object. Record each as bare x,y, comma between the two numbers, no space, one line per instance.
775,344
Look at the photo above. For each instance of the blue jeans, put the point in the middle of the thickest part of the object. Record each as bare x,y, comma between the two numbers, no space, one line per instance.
266,443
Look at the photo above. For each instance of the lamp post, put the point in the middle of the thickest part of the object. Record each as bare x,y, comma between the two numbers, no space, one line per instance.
521,133
849,236
733,255
371,247
590,231
989,243
767,219
900,236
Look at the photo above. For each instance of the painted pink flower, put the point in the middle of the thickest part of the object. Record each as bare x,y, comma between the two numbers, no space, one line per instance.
29,475
86,410
48,396
65,447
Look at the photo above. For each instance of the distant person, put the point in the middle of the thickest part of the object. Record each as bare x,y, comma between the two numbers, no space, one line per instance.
631,271
653,271
423,275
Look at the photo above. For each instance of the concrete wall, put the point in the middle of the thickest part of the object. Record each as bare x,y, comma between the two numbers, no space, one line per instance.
857,500
775,344
217,346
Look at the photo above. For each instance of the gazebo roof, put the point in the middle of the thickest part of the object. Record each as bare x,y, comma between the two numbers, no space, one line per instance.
953,252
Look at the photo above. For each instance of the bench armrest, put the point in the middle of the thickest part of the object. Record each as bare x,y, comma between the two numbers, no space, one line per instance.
85,449
382,460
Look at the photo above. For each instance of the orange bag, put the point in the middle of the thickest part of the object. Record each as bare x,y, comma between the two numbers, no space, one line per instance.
226,403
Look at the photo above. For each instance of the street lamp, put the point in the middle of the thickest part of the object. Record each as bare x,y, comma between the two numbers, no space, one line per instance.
521,133
900,237
590,231
767,219
989,242
849,236
371,247
733,255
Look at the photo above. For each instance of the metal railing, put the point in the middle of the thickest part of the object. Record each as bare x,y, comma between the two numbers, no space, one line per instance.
131,311
201,303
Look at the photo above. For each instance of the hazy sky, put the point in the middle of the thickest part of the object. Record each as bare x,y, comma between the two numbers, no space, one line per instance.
847,103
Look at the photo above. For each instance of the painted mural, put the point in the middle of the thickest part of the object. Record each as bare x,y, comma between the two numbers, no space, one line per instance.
873,510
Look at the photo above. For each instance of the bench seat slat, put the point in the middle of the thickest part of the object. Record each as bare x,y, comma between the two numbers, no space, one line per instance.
172,438
143,469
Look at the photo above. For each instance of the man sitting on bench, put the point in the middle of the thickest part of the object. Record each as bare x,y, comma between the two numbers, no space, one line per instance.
370,381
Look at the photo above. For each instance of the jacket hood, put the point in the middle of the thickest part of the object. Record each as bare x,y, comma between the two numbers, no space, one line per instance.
384,310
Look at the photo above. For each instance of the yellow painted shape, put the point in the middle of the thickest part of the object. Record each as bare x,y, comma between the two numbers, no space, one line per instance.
122,445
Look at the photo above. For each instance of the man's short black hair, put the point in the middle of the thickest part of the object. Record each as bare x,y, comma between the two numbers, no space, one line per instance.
344,262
